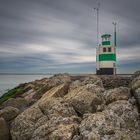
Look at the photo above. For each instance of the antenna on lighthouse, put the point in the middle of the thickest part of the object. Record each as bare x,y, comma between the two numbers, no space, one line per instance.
115,26
97,10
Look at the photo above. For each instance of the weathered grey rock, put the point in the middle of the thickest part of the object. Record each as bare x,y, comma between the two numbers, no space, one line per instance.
58,91
51,103
52,82
24,124
107,125
75,84
29,86
115,81
121,93
135,85
9,113
126,111
28,96
96,126
84,80
136,74
123,135
54,107
92,80
4,132
18,102
58,128
85,99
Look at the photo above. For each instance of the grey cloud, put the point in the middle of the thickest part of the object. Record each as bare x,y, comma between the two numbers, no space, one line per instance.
32,32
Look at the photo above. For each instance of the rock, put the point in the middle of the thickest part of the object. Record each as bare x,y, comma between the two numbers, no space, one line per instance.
58,128
58,91
18,102
77,137
123,135
121,93
85,99
75,84
113,81
107,125
127,112
51,103
96,126
135,85
52,82
4,132
29,86
9,113
28,96
84,80
54,108
33,124
24,124
92,80
136,74
66,107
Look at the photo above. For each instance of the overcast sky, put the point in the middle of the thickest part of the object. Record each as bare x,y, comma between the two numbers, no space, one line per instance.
41,36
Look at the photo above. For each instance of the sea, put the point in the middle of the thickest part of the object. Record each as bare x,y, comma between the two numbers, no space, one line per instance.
10,81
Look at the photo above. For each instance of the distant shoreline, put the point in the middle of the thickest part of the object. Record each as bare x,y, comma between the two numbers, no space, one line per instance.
26,74
54,74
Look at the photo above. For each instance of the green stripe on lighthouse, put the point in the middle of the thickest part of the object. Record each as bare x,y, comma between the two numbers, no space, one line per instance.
105,43
107,57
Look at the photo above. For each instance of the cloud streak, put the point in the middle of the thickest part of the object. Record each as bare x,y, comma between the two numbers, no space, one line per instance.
51,36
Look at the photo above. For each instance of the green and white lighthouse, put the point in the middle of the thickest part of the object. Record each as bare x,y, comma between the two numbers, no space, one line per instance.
106,56
106,51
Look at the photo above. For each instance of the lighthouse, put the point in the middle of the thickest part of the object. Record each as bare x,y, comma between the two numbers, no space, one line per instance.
106,51
106,56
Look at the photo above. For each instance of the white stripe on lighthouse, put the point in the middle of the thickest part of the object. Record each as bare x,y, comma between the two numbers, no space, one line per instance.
106,64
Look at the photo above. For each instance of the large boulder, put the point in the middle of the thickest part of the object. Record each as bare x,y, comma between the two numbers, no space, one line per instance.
9,113
58,128
54,107
92,80
85,99
106,125
126,111
24,124
4,132
121,93
84,80
18,102
34,124
58,91
28,96
52,82
123,135
115,81
136,74
75,84
51,103
96,126
48,107
135,85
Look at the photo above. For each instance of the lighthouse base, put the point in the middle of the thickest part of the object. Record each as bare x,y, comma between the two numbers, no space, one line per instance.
105,71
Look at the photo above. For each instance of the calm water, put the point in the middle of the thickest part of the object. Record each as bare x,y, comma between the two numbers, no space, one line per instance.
11,81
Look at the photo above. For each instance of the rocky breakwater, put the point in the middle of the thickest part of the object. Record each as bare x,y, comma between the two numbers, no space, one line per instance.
66,107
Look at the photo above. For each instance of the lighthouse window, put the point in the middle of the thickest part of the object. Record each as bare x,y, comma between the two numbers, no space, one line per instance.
104,49
109,49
